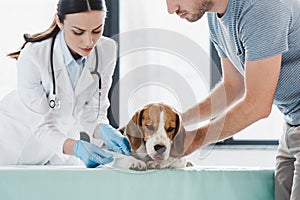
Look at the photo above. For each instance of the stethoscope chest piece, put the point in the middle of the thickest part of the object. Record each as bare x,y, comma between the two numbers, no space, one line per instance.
54,103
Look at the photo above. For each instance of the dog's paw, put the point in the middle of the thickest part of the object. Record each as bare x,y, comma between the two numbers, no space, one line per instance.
138,165
189,164
154,165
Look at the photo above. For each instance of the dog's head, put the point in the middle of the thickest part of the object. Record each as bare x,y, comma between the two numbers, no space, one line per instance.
156,127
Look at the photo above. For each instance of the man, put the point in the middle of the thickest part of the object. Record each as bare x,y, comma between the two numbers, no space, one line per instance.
258,42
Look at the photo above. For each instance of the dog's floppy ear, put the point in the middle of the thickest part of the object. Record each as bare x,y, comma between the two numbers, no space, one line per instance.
179,137
133,130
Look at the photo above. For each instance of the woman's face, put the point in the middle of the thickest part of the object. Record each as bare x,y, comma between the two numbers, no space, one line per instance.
82,31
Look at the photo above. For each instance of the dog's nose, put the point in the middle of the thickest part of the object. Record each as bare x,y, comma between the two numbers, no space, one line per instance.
160,148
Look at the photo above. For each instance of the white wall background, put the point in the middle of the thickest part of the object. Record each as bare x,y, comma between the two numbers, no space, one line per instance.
16,18
164,65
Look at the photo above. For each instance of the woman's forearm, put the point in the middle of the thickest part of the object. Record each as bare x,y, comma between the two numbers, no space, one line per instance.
68,147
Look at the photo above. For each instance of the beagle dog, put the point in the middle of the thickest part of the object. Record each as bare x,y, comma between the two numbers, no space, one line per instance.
152,132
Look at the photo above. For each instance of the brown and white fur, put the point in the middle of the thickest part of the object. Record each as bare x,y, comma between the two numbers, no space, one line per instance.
152,132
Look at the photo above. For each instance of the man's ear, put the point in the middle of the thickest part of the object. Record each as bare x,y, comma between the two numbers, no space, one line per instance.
58,22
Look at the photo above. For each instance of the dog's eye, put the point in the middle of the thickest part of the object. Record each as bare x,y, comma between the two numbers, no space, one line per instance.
150,127
170,129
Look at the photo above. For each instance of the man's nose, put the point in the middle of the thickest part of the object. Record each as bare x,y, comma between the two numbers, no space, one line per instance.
172,6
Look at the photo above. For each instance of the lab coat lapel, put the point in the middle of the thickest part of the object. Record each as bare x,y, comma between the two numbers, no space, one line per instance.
62,79
86,79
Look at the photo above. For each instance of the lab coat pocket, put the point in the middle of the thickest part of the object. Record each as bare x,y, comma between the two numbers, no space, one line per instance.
83,98
90,113
92,108
89,104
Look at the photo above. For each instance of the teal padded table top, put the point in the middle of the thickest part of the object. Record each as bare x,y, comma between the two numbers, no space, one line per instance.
195,183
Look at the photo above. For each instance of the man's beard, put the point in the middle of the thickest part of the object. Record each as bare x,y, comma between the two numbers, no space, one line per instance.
200,10
194,17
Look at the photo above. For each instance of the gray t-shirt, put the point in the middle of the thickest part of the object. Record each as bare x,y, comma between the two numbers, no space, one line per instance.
257,29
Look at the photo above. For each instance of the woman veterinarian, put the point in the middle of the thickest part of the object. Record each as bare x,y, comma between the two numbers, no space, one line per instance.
64,76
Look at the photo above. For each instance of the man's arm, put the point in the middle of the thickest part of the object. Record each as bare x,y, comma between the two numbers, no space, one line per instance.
261,79
230,89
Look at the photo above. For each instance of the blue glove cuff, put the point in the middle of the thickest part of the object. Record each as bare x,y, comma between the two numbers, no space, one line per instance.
103,130
76,147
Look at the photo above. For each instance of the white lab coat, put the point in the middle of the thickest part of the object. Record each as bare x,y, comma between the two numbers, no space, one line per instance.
31,132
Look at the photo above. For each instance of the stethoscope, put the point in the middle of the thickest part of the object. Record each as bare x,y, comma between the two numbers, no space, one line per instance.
54,102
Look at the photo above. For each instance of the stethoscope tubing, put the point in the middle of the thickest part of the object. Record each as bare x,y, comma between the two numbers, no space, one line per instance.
54,101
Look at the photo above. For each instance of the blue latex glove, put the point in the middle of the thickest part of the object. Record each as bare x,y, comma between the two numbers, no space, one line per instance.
91,154
113,139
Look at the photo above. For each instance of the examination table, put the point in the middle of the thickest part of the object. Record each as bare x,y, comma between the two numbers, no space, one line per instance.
195,183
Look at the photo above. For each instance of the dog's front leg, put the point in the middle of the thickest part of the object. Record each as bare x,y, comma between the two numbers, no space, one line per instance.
129,162
122,161
177,162
169,163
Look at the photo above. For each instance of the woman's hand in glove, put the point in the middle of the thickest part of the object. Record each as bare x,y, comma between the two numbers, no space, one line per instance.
113,139
91,154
